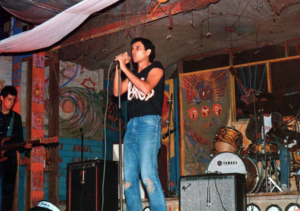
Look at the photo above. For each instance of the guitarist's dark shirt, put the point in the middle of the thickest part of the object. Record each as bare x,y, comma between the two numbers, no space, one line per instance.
16,137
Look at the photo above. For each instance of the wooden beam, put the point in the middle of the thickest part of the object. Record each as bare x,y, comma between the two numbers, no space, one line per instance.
263,44
28,130
160,13
53,128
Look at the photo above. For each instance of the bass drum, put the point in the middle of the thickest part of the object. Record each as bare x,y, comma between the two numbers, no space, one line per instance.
227,162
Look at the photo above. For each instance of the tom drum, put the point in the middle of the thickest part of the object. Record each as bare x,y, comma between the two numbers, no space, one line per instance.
228,140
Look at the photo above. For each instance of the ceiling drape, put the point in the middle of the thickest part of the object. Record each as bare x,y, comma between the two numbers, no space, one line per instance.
54,29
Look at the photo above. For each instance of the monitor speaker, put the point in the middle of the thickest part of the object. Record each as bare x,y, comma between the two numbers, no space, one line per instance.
85,186
211,192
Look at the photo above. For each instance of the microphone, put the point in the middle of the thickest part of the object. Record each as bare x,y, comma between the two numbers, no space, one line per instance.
167,133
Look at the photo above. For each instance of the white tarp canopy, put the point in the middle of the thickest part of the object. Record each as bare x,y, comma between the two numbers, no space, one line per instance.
54,29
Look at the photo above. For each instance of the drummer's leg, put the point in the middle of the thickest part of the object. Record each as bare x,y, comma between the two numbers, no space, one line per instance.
285,164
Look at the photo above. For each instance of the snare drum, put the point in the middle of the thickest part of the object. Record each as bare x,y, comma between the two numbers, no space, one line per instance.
228,140
227,162
260,151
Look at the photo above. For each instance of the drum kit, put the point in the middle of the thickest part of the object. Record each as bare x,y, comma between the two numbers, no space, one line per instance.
228,155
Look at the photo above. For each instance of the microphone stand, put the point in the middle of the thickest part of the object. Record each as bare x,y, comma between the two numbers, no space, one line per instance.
120,139
169,147
83,172
265,145
81,131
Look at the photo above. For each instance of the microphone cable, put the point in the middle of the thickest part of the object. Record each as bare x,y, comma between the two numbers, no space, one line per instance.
104,134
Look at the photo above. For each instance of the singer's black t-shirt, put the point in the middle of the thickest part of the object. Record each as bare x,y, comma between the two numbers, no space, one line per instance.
140,104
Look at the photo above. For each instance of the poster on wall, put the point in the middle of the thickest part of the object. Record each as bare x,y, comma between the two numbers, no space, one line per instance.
205,109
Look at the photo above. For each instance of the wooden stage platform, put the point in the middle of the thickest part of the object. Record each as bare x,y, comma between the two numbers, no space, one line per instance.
262,200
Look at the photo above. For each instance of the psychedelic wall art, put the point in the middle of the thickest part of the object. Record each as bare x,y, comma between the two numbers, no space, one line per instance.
81,99
81,102
205,108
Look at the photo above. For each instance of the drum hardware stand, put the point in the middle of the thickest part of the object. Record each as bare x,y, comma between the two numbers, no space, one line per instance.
267,177
288,163
265,147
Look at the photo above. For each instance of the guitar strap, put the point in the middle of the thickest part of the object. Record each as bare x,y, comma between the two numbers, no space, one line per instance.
11,124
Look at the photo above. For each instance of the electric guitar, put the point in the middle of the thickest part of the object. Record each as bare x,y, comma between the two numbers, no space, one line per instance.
42,141
248,96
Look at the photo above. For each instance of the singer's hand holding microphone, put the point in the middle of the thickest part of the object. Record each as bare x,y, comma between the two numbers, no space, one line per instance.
122,60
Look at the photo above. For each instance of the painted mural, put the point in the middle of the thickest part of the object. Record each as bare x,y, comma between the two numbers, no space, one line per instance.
5,67
81,102
205,106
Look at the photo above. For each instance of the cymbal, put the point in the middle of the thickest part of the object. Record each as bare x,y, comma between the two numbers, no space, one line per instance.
286,134
260,107
259,95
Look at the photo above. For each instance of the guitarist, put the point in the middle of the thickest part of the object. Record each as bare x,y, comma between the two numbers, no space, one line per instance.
10,126
254,132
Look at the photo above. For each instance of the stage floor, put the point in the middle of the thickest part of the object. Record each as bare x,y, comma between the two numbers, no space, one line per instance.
262,200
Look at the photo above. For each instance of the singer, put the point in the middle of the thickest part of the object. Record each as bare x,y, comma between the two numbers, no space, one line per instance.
145,92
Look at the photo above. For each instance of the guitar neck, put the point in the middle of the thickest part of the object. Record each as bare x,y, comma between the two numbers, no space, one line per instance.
49,140
19,145
241,85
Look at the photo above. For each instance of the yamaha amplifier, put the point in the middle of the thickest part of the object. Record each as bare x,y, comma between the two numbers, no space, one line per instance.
85,190
212,192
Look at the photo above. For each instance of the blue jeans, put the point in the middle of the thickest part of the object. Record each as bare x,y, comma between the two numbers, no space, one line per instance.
285,163
141,146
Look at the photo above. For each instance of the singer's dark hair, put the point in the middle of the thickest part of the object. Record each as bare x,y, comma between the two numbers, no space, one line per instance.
148,45
8,90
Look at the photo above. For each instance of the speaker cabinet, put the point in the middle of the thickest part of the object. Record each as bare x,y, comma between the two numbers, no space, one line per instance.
85,186
212,192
